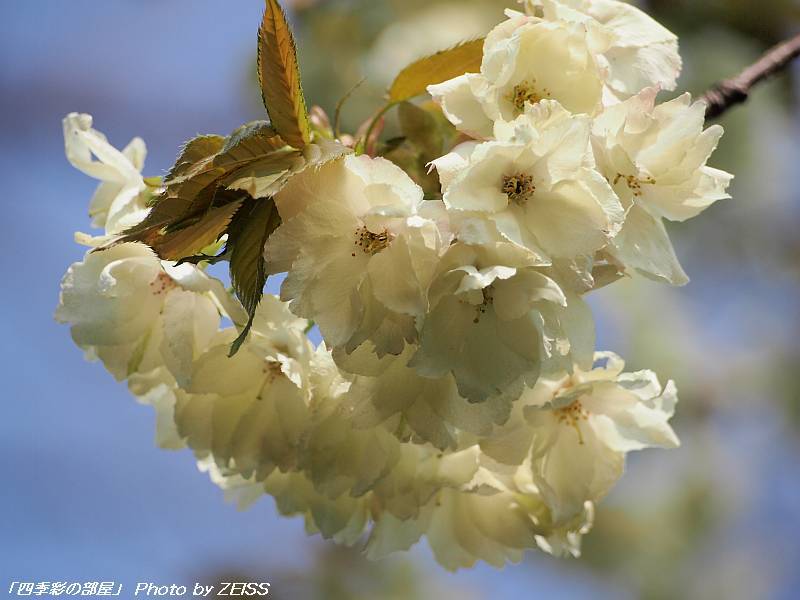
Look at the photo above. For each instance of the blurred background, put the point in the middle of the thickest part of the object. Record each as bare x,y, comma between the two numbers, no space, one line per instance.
86,495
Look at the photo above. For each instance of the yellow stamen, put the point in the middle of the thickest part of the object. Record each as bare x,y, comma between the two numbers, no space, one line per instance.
526,91
571,415
634,183
488,300
272,369
519,187
372,243
162,284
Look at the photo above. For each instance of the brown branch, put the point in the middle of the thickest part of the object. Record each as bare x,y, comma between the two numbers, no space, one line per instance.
729,93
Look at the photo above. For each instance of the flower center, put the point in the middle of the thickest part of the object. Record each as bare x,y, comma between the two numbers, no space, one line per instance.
162,284
519,188
526,91
571,416
272,369
372,243
488,300
634,183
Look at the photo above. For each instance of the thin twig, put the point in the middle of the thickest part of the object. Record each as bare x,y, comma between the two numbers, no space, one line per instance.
729,93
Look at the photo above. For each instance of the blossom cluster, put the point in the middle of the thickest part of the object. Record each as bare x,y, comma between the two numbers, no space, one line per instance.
457,394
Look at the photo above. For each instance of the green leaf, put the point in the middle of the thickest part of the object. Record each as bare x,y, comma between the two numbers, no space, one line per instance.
279,77
447,64
153,182
425,135
421,129
248,232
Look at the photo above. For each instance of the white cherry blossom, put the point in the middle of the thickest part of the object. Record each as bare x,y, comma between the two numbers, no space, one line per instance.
390,393
537,183
655,156
250,411
525,60
635,50
494,322
495,516
582,426
357,250
136,313
120,200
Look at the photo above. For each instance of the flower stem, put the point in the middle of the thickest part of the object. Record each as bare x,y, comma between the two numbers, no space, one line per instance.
374,122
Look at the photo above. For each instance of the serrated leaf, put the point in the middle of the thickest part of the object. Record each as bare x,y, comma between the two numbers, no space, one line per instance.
195,191
258,177
193,152
279,77
257,183
447,64
153,182
188,240
248,232
196,259
251,140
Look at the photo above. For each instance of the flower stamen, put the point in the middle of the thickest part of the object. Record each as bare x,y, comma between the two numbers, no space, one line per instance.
571,415
634,183
372,243
272,369
525,91
488,300
519,188
162,284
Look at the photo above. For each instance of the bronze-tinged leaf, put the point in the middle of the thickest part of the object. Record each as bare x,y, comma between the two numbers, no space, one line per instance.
247,233
191,170
257,177
279,78
171,215
179,202
189,240
250,154
193,152
447,64
251,140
